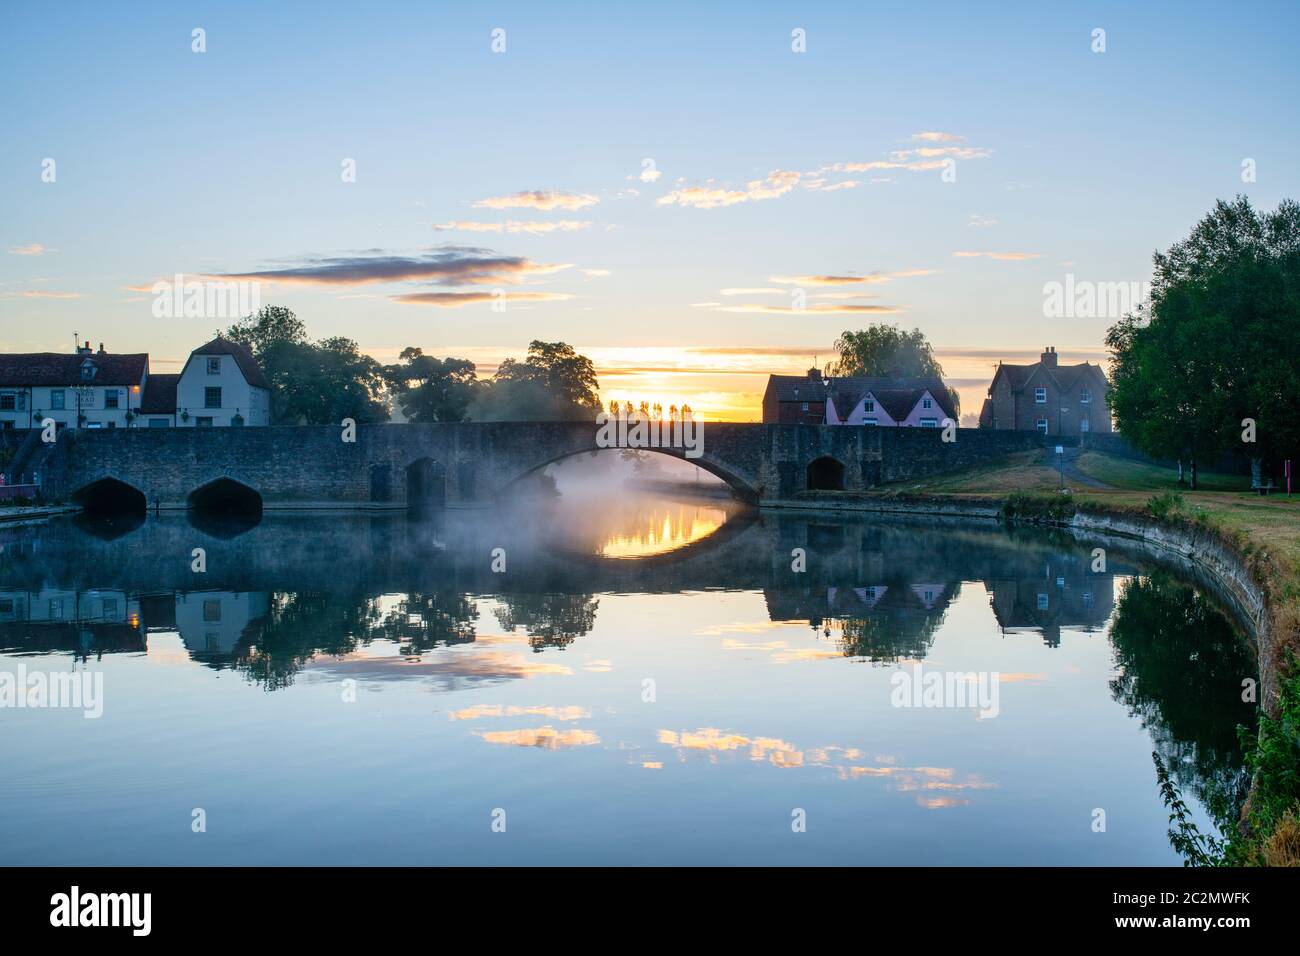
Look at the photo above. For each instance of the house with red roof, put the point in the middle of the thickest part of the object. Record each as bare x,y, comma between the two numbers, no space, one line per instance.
221,384
817,399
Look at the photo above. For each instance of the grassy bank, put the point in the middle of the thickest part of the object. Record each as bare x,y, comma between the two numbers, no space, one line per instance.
1264,530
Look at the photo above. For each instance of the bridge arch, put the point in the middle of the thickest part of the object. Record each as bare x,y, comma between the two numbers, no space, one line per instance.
108,496
742,486
426,485
825,474
225,495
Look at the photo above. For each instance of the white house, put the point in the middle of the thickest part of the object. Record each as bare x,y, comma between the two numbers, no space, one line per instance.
85,389
222,384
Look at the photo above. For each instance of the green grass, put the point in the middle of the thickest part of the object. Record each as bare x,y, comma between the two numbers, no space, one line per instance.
1138,476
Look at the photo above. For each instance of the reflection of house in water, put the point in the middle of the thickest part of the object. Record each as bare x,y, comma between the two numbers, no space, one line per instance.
879,622
1066,593
214,623
85,623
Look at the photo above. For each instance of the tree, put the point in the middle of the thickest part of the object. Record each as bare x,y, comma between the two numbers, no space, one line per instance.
311,383
430,389
554,383
886,351
1220,343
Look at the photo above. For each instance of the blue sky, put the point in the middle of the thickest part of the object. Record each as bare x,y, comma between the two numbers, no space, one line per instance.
229,161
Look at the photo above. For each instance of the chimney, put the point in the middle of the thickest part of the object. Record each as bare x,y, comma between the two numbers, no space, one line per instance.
814,375
1049,357
101,348
84,349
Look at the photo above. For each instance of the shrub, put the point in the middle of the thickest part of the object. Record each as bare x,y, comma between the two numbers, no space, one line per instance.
1165,505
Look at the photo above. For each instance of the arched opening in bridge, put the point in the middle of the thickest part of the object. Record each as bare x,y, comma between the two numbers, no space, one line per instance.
825,474
110,508
621,503
109,497
426,486
224,508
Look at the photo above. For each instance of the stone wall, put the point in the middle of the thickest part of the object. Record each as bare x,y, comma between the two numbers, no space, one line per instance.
474,463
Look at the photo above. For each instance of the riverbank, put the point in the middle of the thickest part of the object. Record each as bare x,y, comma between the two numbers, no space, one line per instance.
32,514
1249,545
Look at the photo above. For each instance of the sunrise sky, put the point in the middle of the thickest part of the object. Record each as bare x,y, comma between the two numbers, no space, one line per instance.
653,183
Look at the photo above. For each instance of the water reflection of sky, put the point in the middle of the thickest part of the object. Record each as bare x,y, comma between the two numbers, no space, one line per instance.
680,722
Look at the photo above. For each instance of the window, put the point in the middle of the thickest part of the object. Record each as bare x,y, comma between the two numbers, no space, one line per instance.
1042,601
203,422
56,399
56,609
870,421
927,404
1040,396
7,607
111,398
1085,396
868,406
159,423
214,365
8,402
1083,425
805,406
212,397
929,423
1042,425
211,611
110,608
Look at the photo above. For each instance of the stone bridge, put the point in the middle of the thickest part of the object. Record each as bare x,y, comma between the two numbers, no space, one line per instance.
472,464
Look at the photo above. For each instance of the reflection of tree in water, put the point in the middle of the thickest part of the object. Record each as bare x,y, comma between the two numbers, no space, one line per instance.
889,637
300,626
549,620
425,621
1181,665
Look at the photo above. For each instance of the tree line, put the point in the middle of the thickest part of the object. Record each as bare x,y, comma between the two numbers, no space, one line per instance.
1209,365
324,381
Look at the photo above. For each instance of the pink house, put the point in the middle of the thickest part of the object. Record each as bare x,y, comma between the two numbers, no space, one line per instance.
858,400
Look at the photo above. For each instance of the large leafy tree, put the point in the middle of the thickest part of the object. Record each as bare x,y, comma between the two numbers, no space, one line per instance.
554,383
1220,342
888,351
430,389
312,383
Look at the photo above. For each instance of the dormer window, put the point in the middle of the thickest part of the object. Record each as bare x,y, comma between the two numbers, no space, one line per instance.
1085,397
1040,396
214,365
88,370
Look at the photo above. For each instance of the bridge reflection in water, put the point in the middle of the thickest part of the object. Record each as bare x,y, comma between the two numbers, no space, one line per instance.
390,601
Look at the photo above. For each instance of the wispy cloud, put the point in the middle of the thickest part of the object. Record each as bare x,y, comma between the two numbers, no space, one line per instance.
446,266
936,137
41,294
535,227
35,249
455,300
777,183
1006,256
836,309
543,199
870,279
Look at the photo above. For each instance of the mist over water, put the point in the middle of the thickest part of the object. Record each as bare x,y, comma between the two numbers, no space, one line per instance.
648,680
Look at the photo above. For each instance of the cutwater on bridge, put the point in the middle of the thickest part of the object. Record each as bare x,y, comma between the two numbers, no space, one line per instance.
472,464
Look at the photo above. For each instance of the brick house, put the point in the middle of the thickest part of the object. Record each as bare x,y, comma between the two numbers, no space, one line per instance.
815,399
1052,398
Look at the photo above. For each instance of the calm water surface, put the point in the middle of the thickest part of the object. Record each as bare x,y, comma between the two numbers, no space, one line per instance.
647,682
